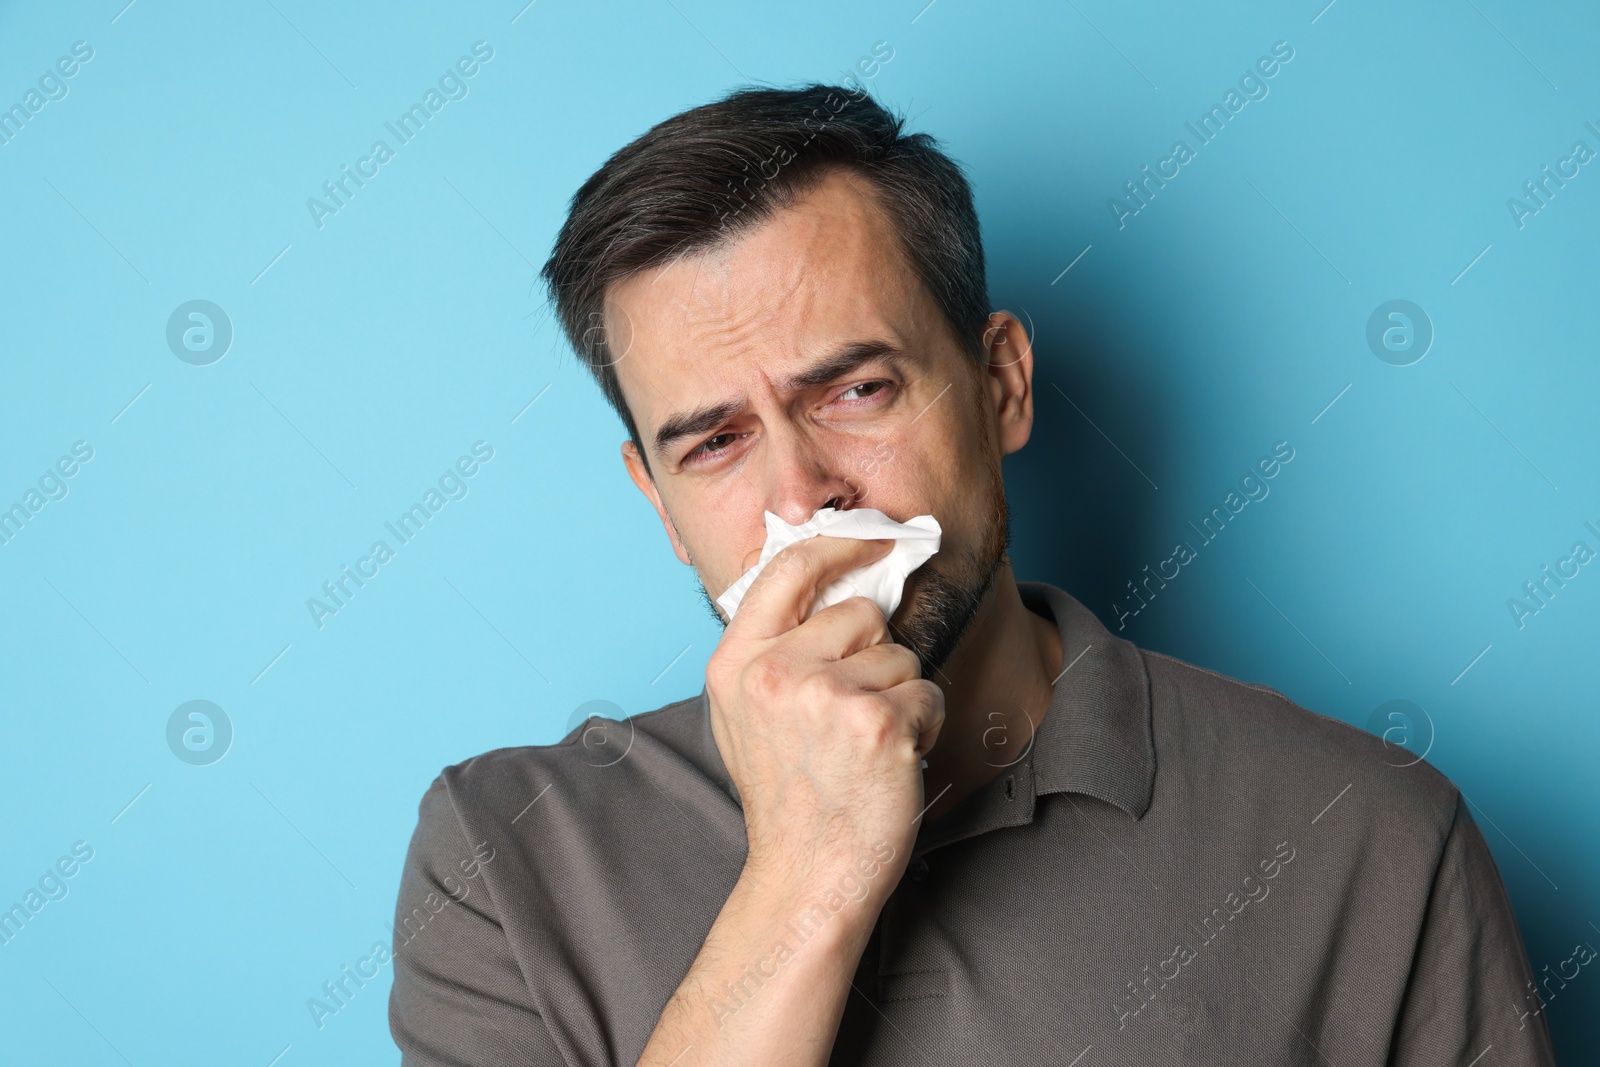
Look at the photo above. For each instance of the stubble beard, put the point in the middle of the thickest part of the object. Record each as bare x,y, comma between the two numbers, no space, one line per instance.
940,608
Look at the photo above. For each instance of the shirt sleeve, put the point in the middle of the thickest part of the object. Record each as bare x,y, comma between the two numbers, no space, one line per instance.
459,998
1470,986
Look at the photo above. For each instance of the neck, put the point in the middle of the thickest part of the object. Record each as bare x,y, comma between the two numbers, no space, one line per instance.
996,691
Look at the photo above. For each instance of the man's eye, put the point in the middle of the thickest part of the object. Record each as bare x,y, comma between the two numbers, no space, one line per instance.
880,385
707,448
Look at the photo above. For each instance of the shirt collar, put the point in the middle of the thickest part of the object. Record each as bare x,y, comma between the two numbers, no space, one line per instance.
1096,736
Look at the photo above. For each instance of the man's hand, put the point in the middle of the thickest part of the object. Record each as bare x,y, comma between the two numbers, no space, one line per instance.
822,722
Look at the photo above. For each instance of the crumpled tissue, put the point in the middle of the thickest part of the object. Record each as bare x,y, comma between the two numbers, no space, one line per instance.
882,580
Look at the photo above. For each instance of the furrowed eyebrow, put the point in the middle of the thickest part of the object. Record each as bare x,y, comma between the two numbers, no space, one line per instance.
692,424
852,356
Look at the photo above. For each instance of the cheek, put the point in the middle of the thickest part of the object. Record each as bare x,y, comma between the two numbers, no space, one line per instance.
720,551
870,463
957,463
966,495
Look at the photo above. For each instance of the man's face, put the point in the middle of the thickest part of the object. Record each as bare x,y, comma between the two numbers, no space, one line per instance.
801,363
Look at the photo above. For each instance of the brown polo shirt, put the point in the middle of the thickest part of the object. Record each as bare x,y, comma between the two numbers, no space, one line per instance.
1182,868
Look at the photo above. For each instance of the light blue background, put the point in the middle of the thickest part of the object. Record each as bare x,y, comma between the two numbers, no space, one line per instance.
370,353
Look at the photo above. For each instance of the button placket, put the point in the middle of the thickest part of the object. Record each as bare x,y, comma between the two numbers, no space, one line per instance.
892,919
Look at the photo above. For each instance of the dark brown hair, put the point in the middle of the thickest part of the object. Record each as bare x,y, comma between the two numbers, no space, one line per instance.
707,174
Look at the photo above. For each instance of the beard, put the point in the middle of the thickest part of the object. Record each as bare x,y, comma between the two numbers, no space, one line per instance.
939,609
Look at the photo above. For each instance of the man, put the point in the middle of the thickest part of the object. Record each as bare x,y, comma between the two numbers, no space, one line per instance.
1110,857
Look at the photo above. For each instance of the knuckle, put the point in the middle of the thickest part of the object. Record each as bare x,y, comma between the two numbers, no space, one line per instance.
788,565
821,690
931,697
865,610
798,558
868,607
718,668
871,722
873,713
765,677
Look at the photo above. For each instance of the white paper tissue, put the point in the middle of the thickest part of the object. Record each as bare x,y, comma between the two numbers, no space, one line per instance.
883,580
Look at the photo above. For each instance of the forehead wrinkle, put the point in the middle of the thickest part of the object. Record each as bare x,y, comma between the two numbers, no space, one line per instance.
758,326
765,290
796,232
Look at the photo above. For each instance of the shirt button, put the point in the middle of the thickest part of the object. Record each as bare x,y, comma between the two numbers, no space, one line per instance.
919,869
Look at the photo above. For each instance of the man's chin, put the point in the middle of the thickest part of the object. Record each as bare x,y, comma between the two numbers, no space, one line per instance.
935,613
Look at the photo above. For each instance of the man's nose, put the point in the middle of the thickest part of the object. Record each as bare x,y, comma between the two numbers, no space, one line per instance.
805,479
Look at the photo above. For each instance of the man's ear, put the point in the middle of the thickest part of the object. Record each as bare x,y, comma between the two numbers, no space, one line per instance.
1008,377
647,485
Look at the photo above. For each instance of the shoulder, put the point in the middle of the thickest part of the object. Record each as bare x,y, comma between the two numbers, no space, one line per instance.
1253,741
597,756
